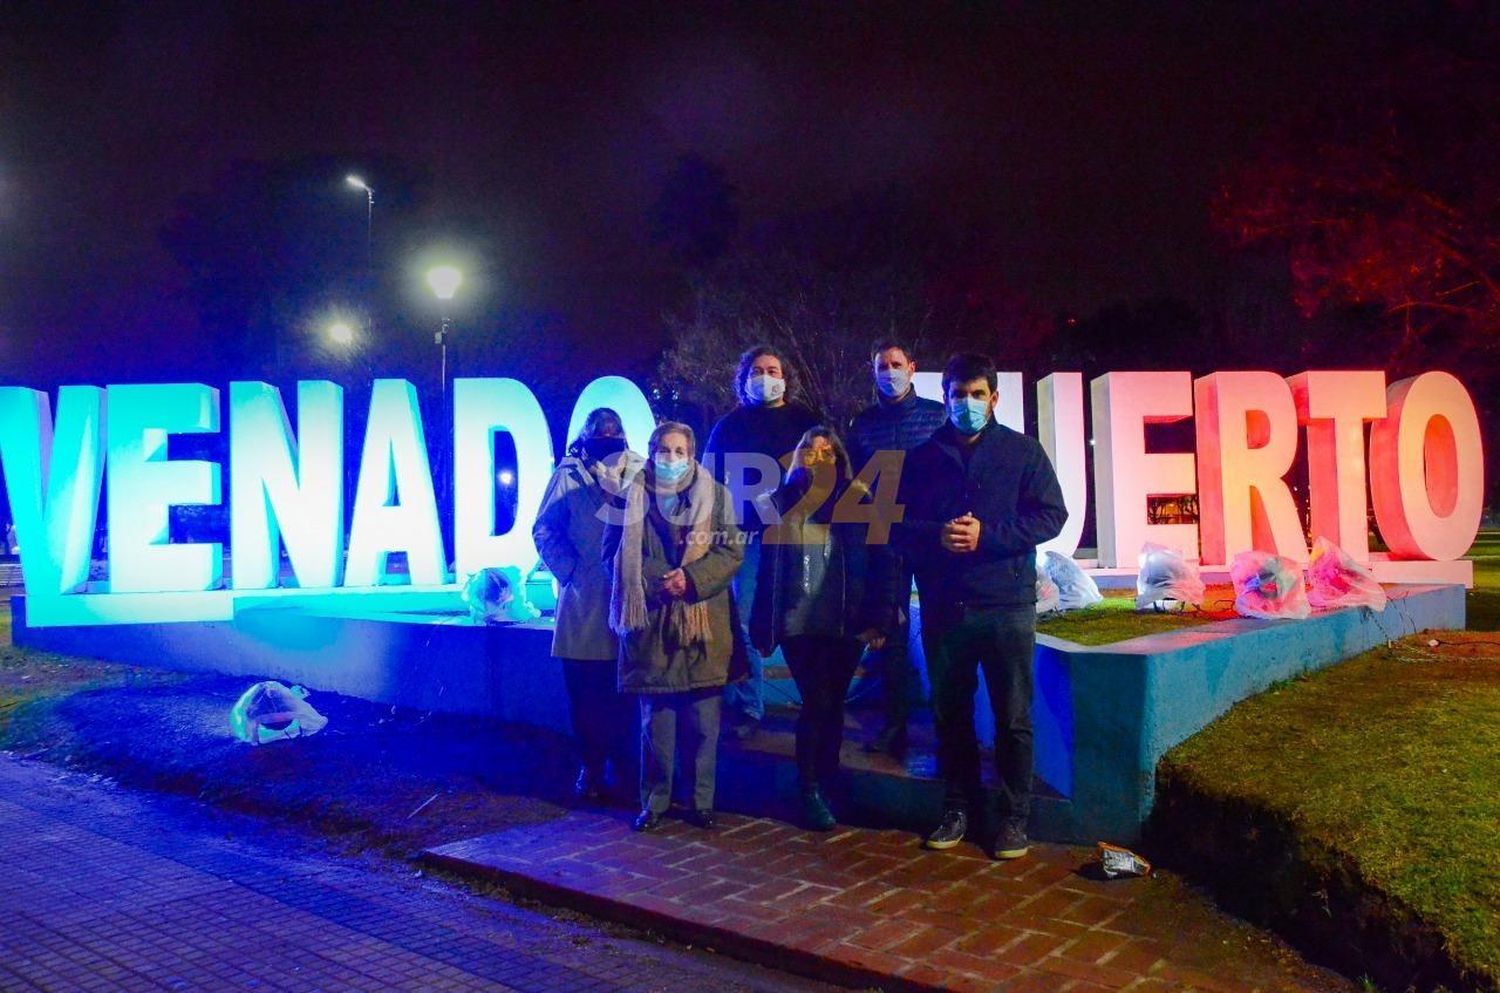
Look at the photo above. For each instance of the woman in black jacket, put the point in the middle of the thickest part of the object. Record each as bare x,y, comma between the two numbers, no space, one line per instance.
823,593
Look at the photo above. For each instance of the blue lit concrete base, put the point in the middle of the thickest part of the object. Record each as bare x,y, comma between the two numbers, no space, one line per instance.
1103,716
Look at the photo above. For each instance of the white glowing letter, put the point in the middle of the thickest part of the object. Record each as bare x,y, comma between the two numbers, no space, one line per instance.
1059,404
1247,441
482,407
285,487
144,484
53,480
394,507
1125,474
1427,469
1334,407
624,398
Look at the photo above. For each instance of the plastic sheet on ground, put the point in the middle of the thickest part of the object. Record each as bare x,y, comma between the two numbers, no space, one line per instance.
1166,580
1267,585
1334,579
1117,861
272,711
1076,589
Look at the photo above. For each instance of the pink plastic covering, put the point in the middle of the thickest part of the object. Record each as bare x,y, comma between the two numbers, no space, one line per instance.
1267,585
1334,579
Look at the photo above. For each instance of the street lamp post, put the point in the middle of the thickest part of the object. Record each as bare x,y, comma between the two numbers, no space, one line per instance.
444,281
360,184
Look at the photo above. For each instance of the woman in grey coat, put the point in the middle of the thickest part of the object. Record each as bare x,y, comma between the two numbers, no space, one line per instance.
674,551
825,592
569,531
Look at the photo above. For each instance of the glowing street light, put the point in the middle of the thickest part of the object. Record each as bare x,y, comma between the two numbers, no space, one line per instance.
444,281
340,333
360,184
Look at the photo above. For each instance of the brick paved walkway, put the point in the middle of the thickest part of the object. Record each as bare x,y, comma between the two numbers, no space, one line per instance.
103,889
871,907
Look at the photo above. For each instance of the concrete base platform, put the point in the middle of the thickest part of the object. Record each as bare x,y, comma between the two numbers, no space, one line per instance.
1103,716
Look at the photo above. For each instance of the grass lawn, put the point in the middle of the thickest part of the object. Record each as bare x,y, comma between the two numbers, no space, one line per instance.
1387,762
1116,619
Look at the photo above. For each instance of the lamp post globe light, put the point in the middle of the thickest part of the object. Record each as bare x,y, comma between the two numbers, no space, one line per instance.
444,280
340,333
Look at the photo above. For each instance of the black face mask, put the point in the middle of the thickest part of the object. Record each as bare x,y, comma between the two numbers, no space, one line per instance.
599,449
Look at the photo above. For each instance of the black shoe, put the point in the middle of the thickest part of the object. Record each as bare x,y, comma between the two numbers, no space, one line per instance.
646,820
949,833
700,819
586,786
1011,842
815,813
892,741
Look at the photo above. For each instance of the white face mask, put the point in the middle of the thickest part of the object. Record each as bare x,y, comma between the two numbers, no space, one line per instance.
892,382
765,389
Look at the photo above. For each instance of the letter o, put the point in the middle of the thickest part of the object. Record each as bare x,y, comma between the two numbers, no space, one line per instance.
1427,468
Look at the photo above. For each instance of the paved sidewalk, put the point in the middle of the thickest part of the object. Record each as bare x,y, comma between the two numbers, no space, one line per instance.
871,907
104,889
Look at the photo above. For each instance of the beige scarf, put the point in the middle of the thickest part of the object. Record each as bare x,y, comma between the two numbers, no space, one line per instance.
627,606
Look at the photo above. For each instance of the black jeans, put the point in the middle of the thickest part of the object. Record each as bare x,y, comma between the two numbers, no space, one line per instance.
958,643
604,720
822,667
897,673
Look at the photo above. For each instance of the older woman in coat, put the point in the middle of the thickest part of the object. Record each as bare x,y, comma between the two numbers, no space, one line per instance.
674,552
824,594
569,531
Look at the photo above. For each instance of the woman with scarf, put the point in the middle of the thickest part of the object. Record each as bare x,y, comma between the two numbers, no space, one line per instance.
569,530
674,550
824,593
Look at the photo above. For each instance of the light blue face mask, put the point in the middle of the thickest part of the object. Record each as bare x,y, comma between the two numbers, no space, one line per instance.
969,415
671,471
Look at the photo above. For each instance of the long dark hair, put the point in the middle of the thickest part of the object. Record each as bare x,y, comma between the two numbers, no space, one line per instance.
601,421
747,359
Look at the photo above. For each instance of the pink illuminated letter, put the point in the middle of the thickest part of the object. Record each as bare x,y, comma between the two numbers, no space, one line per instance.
1334,407
1247,439
1427,468
1125,474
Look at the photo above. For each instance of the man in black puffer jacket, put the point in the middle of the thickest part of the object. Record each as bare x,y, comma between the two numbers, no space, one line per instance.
978,499
898,421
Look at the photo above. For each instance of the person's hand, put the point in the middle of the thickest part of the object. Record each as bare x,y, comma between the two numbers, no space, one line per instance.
675,584
872,638
961,534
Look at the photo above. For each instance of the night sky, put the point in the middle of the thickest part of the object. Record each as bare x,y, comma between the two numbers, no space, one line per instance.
1084,143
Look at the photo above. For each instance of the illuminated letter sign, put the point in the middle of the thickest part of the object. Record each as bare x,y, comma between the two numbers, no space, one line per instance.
1125,474
287,487
144,484
1427,468
1247,440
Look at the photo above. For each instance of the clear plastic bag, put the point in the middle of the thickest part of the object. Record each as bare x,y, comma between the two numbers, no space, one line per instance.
1076,589
1267,585
1166,580
1047,597
1334,579
271,711
492,596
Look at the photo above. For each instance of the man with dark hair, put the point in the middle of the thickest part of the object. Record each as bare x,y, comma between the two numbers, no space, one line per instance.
898,421
765,425
978,499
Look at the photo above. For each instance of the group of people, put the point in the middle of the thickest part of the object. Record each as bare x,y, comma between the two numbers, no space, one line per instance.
677,582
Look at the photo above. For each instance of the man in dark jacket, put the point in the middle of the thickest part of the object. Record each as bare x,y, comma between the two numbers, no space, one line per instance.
978,499
898,421
765,425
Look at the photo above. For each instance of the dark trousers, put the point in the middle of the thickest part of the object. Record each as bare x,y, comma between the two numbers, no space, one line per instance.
822,668
604,719
897,674
958,645
694,716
